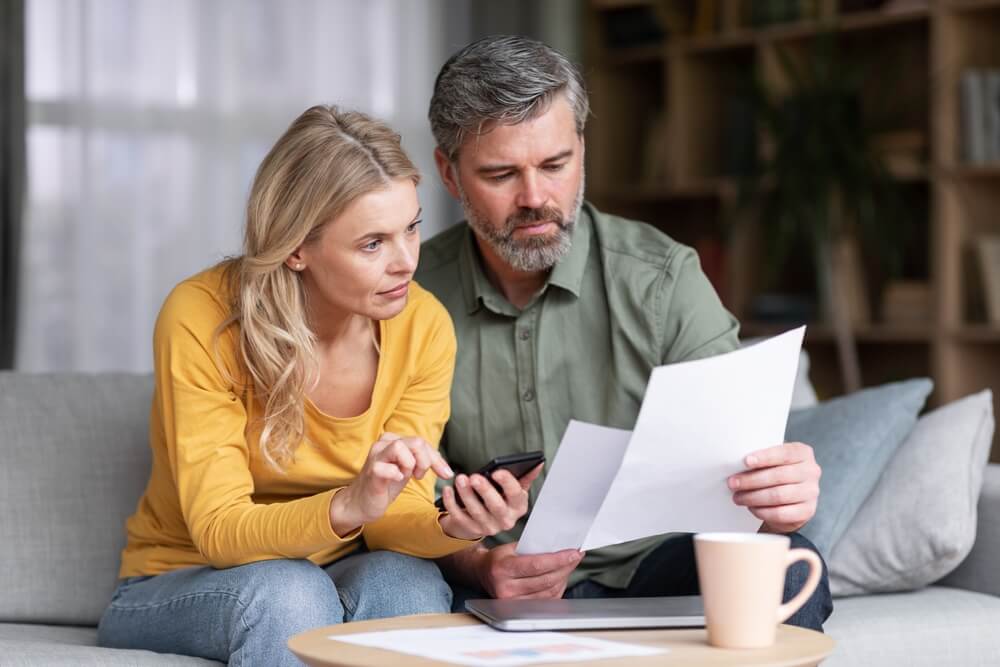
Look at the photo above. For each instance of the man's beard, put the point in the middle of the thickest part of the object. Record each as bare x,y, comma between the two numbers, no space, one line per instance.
533,253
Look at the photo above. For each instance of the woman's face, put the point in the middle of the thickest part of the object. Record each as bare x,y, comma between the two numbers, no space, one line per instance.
363,260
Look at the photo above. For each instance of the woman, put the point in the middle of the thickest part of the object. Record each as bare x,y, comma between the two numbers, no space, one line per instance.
301,390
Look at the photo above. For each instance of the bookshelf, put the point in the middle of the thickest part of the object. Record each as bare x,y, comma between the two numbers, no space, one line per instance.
661,145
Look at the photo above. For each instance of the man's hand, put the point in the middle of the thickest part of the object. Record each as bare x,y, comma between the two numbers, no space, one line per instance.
503,574
486,511
780,487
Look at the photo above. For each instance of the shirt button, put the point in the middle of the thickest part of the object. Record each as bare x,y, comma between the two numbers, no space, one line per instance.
528,395
525,334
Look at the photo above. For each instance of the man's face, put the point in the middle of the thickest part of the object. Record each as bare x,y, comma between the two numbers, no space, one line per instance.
521,187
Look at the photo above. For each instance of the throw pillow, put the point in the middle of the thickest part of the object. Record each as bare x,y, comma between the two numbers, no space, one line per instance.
920,521
853,437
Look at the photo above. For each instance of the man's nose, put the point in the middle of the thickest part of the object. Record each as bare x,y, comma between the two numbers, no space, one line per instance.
530,193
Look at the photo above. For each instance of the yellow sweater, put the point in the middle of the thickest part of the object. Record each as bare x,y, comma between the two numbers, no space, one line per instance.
213,500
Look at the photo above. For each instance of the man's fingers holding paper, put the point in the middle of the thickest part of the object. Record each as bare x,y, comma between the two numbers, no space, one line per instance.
542,585
791,463
781,488
785,494
508,575
540,564
553,592
784,454
785,518
768,478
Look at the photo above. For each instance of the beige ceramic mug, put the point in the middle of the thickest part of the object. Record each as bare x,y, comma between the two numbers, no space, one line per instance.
742,577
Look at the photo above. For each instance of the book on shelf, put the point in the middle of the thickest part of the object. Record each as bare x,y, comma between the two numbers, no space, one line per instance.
980,104
655,150
906,302
706,17
988,250
902,151
731,15
993,116
849,280
903,6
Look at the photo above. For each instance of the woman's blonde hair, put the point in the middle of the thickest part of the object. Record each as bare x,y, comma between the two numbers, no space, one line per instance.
326,159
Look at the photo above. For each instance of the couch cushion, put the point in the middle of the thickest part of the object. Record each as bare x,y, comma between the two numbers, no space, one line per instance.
30,644
42,654
979,572
75,458
920,521
853,438
930,627
56,634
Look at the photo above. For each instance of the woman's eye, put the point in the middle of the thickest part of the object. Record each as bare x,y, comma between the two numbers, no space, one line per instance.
372,246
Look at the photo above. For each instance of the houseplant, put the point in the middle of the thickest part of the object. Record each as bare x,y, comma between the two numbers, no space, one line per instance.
816,181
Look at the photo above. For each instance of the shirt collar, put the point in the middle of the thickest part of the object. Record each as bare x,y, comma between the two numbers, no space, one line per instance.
475,284
567,274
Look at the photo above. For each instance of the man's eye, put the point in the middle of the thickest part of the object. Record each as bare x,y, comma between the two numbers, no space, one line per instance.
413,226
501,177
555,167
372,246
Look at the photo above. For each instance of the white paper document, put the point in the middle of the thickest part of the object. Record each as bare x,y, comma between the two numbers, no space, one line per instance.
698,421
482,645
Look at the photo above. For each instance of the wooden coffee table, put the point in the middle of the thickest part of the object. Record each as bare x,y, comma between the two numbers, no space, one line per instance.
794,646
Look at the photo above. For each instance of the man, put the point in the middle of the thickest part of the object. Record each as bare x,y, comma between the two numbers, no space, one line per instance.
561,312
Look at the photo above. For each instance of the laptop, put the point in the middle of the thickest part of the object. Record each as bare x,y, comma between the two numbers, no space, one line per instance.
590,614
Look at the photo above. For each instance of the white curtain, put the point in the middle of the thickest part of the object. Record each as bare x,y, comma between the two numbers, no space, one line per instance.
147,119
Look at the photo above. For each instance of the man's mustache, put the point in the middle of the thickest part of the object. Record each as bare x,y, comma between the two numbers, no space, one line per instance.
533,216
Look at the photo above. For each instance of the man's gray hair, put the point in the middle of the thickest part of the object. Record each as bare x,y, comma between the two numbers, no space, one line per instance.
506,79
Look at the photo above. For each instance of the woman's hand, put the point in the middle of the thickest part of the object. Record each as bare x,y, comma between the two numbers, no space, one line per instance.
486,512
392,461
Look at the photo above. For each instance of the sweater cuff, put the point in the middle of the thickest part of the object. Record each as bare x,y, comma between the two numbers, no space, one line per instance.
454,541
330,536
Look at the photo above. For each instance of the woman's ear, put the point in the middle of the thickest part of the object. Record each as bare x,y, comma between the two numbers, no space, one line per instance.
295,261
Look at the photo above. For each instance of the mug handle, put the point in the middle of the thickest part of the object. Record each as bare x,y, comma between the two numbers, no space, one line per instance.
815,569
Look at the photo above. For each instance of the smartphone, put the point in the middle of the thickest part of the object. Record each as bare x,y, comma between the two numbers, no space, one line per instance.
518,465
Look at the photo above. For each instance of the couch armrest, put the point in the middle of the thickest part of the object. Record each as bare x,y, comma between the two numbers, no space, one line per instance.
979,571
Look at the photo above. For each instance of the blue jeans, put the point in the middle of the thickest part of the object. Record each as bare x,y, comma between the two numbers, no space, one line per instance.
670,569
244,615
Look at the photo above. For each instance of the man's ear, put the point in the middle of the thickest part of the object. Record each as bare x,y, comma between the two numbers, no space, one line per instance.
448,172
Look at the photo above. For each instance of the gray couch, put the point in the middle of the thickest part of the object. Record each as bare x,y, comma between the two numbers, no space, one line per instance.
75,459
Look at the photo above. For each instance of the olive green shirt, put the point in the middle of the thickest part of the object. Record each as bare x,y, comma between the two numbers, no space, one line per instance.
625,299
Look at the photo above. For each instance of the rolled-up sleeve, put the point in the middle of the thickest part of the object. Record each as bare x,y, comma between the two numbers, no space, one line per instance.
691,320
